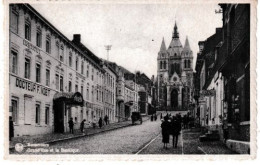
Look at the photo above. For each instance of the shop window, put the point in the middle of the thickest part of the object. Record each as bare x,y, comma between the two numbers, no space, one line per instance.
14,20
38,37
27,30
48,44
14,60
38,73
61,83
37,113
14,109
47,77
47,115
27,68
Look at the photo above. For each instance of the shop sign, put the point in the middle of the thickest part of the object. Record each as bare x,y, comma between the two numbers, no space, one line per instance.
211,92
31,46
32,87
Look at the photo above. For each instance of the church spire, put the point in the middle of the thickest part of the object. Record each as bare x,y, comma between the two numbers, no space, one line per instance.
163,47
186,45
175,33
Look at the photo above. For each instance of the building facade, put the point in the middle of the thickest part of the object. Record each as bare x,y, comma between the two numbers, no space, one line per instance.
53,79
175,74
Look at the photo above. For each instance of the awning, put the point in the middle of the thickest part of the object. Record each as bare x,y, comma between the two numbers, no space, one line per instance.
69,97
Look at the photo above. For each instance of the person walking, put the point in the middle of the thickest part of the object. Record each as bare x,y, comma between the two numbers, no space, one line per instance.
11,128
100,122
161,116
71,124
155,117
82,126
165,132
94,122
106,119
176,128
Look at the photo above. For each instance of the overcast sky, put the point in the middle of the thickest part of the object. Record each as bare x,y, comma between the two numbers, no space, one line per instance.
135,31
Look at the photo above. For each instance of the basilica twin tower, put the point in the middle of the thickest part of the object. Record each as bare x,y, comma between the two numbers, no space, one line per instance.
175,74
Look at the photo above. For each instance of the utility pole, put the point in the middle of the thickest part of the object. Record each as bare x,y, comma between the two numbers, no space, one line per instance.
108,47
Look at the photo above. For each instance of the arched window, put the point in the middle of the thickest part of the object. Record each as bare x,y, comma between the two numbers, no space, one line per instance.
160,64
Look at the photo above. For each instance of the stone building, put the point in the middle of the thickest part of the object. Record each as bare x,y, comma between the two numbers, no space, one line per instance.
52,79
175,74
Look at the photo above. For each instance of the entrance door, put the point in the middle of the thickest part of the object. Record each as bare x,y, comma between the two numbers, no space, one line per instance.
174,98
58,108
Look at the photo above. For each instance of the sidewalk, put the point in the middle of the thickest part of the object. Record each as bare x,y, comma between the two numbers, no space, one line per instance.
192,145
56,137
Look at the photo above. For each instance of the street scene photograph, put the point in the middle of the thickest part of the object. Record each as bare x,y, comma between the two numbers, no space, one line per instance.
130,78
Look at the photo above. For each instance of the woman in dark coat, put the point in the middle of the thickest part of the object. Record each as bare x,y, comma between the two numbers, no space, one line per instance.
165,133
100,122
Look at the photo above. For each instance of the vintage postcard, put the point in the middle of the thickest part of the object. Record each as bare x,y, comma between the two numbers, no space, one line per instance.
138,80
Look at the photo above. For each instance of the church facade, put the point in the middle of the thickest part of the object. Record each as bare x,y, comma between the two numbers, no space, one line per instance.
175,74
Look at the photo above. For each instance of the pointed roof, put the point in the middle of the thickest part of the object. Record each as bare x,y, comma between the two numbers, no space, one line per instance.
186,45
163,47
175,31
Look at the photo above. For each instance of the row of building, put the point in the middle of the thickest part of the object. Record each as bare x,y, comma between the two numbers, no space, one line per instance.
222,78
53,79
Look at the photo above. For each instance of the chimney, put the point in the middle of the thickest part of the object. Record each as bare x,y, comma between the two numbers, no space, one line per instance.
76,38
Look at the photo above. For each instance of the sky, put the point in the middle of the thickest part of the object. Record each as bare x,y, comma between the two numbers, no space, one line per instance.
135,31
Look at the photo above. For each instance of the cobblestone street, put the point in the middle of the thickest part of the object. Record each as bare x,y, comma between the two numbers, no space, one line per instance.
136,139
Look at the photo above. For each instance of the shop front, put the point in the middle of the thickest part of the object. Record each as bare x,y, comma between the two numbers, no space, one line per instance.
62,103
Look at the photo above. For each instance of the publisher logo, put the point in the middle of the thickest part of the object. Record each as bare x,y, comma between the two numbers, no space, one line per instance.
19,147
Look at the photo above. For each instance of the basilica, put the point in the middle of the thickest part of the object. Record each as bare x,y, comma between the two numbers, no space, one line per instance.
175,74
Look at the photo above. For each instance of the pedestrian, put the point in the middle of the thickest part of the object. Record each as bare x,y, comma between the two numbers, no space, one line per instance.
176,128
11,128
106,119
100,122
161,116
155,117
152,117
71,124
82,126
165,132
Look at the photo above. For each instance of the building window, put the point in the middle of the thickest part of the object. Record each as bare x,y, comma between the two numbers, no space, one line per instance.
57,50
47,77
27,30
87,71
38,73
14,59
37,114
27,68
62,53
48,44
92,76
82,67
39,37
47,115
70,59
57,81
14,109
76,64
14,20
87,94
81,90
61,83
76,88
70,85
